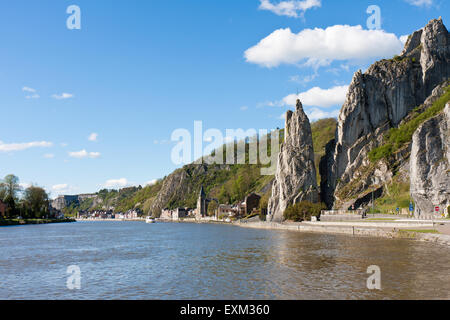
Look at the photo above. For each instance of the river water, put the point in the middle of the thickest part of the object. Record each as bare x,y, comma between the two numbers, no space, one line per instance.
134,260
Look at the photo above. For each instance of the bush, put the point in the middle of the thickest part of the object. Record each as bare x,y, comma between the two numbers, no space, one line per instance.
303,211
262,216
382,152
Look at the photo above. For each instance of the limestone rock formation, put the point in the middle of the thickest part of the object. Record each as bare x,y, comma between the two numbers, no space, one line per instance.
430,164
64,201
295,180
173,184
379,100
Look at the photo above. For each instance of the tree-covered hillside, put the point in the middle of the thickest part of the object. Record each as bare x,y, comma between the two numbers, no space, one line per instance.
227,183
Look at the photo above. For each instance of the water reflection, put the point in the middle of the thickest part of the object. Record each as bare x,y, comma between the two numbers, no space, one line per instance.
188,261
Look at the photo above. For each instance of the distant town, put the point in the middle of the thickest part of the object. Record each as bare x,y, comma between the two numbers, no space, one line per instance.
207,210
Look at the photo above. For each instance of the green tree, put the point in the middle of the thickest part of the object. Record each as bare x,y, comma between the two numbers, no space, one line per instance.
11,186
11,210
36,201
237,188
2,192
212,207
224,195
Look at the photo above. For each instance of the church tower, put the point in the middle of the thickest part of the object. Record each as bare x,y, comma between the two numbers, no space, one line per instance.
202,204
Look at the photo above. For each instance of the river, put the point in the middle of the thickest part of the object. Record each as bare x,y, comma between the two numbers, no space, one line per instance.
134,260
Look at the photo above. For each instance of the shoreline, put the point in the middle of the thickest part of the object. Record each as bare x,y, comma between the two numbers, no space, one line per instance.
25,222
387,230
399,229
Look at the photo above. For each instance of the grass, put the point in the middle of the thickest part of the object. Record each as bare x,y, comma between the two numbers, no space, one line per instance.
396,195
422,231
380,219
251,216
398,58
396,138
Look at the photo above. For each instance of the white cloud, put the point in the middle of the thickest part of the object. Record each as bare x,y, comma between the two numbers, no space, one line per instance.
84,154
62,96
314,97
33,93
28,89
34,96
290,8
116,183
151,182
93,136
420,3
403,39
304,80
319,47
49,156
11,147
161,142
317,114
318,97
60,187
244,108
25,185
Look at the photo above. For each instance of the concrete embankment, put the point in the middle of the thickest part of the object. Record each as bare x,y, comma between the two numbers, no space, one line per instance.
385,230
108,220
21,222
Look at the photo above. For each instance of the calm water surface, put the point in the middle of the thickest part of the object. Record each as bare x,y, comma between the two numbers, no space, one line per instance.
133,260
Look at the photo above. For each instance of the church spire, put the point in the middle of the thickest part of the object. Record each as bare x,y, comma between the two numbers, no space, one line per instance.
202,192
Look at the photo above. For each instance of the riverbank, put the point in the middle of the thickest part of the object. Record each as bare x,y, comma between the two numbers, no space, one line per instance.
109,220
19,222
420,231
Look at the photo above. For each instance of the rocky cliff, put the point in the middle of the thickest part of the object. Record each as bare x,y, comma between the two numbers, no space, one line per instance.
377,101
295,179
63,202
430,164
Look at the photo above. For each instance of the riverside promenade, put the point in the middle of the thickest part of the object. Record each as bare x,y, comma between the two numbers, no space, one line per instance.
111,220
437,231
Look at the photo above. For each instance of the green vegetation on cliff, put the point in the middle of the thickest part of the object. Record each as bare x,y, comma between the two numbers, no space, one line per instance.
323,131
396,195
396,138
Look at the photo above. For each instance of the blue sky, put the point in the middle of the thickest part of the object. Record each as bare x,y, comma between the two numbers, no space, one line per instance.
138,70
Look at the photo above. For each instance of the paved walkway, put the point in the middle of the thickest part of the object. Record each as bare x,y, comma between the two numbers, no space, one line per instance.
444,229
